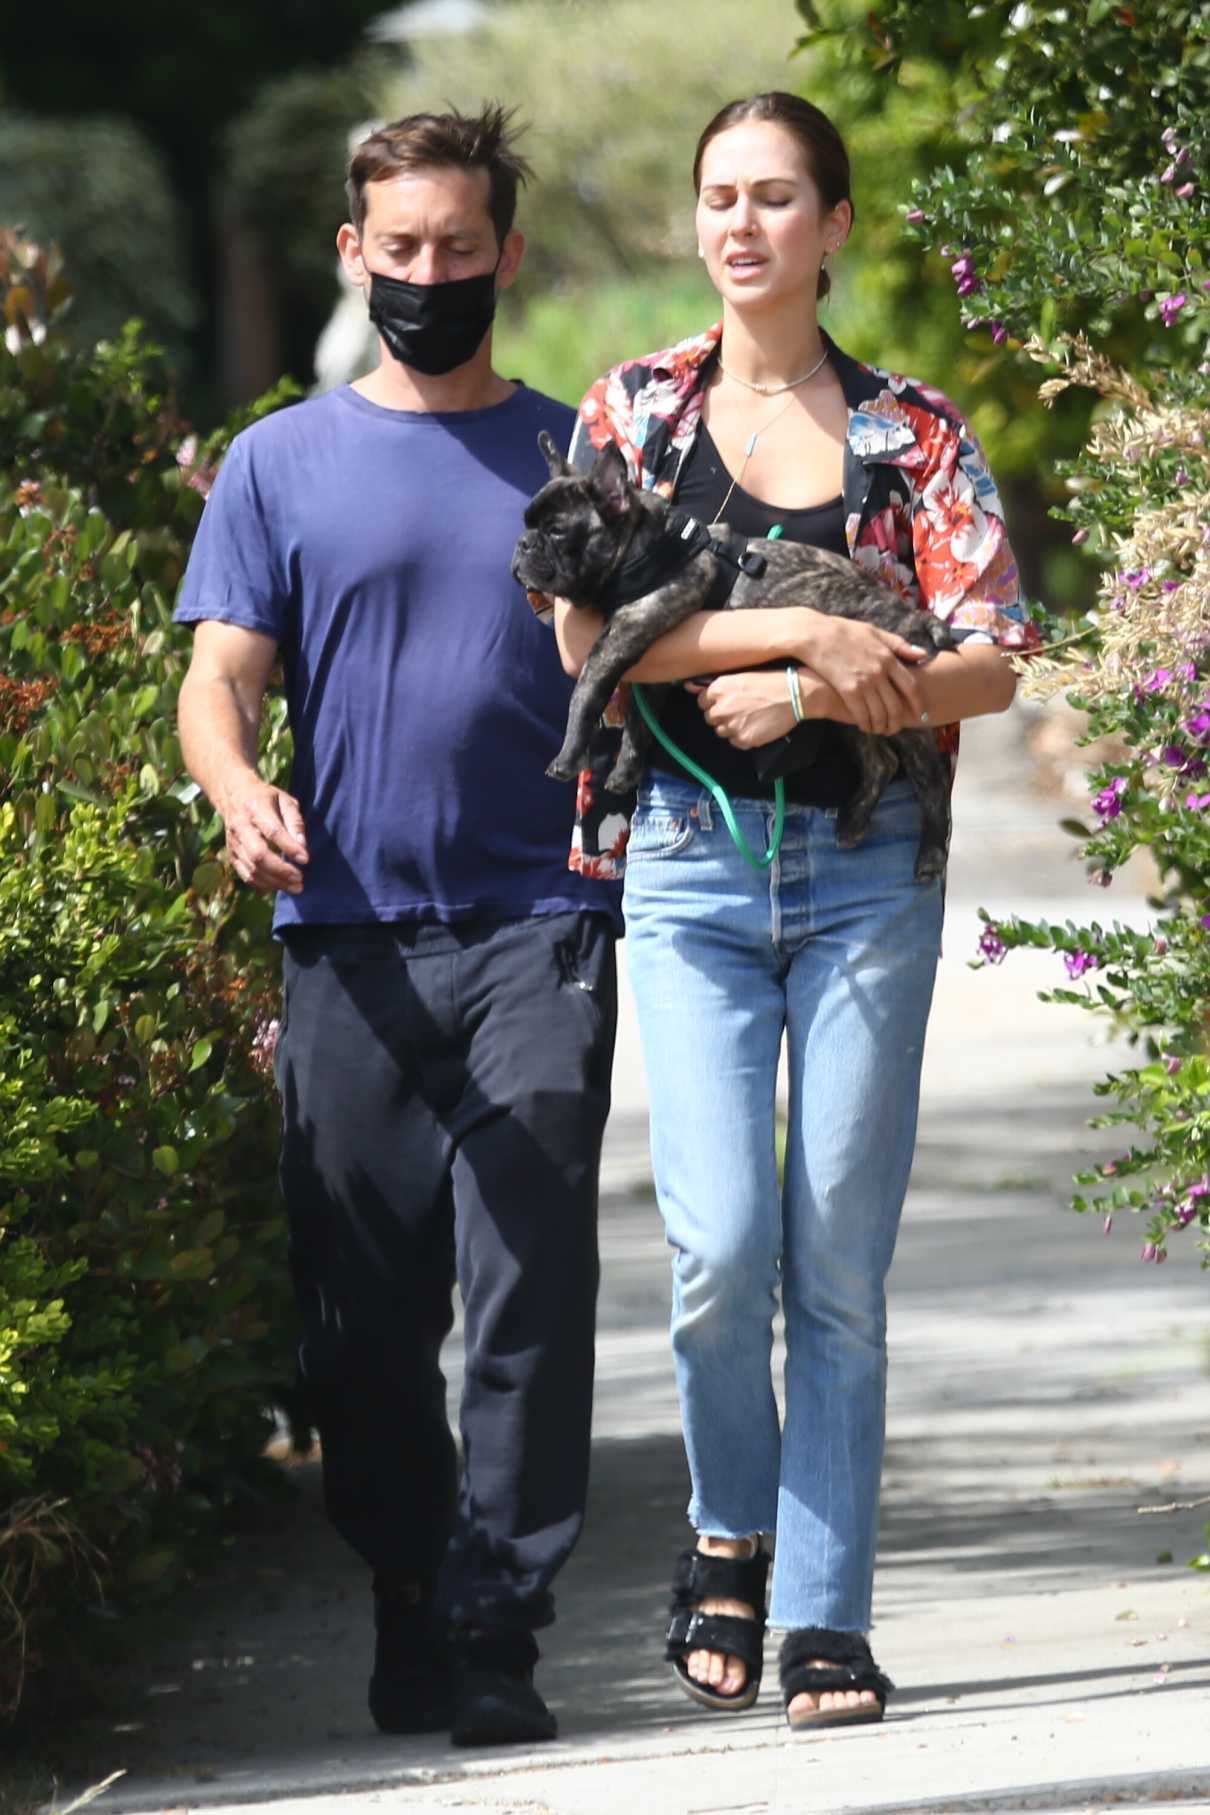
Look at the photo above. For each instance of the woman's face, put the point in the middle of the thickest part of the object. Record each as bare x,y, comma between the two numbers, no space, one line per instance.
761,222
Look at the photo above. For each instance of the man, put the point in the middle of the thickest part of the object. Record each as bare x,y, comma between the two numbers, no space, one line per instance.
449,986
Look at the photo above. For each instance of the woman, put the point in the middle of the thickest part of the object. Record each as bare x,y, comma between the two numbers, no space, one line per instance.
764,423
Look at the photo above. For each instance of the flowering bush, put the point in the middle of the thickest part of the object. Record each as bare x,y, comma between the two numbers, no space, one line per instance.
142,1295
1075,230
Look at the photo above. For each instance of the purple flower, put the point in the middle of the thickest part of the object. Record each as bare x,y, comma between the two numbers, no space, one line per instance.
1168,138
991,946
1171,306
1188,671
1150,1251
1108,803
999,332
1180,476
1081,535
1172,1064
1107,1225
966,278
1174,756
1138,578
1079,962
1168,175
1157,680
914,214
1186,190
1160,946
1205,920
1197,803
1198,723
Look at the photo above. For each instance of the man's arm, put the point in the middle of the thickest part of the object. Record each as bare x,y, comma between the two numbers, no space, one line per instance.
218,715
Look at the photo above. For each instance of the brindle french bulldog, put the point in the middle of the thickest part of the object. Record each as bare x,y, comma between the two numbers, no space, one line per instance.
593,538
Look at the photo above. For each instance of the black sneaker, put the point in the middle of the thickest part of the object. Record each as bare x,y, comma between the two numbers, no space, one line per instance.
495,1702
410,1690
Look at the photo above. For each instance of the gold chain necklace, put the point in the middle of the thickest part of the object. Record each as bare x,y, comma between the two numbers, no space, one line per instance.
773,390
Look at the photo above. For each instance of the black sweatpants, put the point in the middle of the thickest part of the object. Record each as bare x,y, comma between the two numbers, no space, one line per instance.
444,1093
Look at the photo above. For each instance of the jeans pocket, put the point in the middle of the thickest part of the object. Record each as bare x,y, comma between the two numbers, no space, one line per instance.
657,832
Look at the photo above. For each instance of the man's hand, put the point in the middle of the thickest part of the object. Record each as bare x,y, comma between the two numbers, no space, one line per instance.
265,828
870,669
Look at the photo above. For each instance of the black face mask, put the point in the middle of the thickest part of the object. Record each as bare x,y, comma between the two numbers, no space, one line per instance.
433,327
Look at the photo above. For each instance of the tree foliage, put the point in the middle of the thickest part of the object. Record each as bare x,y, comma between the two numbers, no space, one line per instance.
142,1296
1076,227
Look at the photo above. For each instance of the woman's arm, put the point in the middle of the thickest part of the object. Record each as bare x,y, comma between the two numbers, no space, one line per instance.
871,670
754,709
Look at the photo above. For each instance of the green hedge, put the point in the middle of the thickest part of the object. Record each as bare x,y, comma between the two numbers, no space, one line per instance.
143,1299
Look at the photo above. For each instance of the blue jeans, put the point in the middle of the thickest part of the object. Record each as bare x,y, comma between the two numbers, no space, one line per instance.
836,950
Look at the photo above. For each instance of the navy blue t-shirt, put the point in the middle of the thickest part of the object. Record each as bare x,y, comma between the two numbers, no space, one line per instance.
425,698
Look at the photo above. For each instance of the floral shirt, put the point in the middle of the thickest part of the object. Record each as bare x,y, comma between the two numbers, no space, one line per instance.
921,513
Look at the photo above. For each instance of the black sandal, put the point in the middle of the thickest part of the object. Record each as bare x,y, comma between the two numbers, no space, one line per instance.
849,1665
696,1578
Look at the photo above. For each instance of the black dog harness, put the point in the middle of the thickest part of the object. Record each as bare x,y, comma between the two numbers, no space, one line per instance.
680,541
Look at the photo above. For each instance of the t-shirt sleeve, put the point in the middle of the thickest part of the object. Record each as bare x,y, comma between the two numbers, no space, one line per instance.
233,573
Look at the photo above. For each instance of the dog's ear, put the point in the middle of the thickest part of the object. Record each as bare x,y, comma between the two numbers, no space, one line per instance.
611,482
559,468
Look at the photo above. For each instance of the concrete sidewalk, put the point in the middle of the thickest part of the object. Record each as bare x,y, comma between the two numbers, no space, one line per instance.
1044,1386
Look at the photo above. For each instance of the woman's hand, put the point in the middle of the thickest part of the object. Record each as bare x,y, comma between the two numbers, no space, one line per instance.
747,709
870,669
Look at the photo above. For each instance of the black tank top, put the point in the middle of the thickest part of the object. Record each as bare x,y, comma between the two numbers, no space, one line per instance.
827,776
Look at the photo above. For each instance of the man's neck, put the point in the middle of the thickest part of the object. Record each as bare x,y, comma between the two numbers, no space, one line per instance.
473,386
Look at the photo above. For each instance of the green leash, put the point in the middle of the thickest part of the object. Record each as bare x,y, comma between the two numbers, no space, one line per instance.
721,797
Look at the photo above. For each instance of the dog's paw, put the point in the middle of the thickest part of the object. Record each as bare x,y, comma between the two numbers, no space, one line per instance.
623,780
930,866
563,769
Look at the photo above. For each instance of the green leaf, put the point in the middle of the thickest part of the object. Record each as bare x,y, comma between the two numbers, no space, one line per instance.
208,878
166,1160
201,1052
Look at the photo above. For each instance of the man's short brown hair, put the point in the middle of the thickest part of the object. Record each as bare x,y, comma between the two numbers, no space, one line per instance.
482,141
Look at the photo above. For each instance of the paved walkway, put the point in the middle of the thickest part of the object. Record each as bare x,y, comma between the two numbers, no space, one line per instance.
1045,1386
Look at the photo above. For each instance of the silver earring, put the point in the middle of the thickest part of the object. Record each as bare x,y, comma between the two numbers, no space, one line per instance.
700,253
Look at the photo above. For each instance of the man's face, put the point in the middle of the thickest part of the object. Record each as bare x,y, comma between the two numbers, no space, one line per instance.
428,226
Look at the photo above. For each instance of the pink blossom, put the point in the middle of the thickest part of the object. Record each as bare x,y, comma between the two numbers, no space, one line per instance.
1198,723
1157,680
1081,535
999,332
1108,803
1171,306
991,946
1079,962
913,215
1186,190
1197,803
